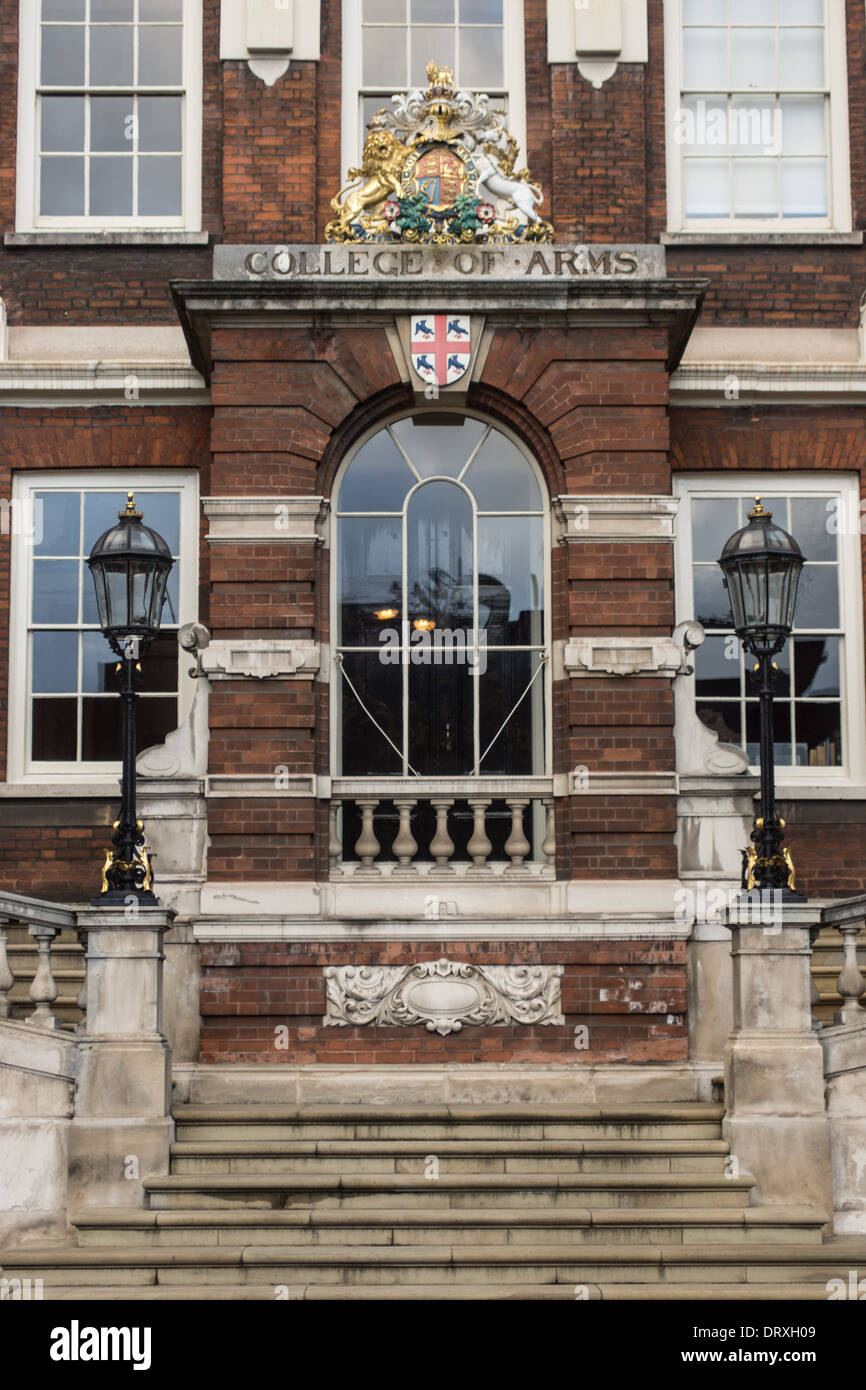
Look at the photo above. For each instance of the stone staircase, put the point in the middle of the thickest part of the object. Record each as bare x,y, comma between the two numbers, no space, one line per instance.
624,1201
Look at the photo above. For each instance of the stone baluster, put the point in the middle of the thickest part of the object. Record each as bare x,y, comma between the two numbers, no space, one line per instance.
405,845
7,979
442,846
366,845
517,846
479,846
335,846
850,984
548,844
43,990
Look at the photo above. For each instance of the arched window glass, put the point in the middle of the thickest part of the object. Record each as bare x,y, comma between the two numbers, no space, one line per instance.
440,604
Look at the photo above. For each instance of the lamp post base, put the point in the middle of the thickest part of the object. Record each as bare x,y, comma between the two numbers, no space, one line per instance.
125,897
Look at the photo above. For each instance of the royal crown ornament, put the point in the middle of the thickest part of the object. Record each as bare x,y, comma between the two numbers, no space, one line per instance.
438,169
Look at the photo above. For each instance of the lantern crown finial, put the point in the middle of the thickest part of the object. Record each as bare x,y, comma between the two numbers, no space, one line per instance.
131,512
758,509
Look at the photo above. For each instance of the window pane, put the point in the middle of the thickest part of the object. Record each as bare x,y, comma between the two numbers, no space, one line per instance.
377,479
56,514
370,560
801,11
756,188
706,187
480,63
101,729
511,580
55,662
160,187
801,58
161,511
159,670
705,11
819,735
384,11
365,751
62,123
159,56
753,59
500,687
384,58
63,56
717,668
440,740
432,11
712,605
55,591
63,9
111,123
724,717
111,186
810,526
427,44
156,720
100,512
705,59
111,11
153,11
111,56
714,519
480,11
159,123
753,11
817,598
97,664
439,448
54,735
803,130
500,478
804,187
61,187
817,667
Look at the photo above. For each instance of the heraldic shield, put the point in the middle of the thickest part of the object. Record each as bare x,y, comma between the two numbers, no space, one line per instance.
441,347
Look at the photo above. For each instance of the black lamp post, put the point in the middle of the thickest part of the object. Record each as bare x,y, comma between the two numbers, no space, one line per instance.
761,565
130,565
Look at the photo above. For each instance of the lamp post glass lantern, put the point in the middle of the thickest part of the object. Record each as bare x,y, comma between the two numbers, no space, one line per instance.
761,564
130,564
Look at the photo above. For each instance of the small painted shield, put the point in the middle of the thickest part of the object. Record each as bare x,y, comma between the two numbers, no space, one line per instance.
441,347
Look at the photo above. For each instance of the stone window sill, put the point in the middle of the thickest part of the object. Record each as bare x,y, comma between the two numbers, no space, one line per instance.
142,237
721,238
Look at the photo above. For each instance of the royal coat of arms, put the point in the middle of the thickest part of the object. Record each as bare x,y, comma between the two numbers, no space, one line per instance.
438,169
441,347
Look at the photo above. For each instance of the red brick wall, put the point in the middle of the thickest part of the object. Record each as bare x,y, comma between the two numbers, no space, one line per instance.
623,992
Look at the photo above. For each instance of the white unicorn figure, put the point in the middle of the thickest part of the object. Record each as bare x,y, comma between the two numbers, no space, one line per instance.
521,195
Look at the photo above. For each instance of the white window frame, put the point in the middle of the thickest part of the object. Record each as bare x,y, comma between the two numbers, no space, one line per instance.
546,678
852,681
20,768
27,216
838,153
514,66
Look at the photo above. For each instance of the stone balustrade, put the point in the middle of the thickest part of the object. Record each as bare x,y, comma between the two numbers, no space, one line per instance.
44,921
409,827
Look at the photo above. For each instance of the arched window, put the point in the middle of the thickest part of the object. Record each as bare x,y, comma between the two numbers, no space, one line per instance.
440,610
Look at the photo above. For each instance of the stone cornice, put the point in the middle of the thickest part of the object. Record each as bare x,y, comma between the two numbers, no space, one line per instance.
668,304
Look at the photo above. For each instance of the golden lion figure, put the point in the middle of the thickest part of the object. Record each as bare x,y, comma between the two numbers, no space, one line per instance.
381,170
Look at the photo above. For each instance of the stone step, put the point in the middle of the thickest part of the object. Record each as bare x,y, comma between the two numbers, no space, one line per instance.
440,1264
341,1190
426,1293
537,1156
205,1123
390,1226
